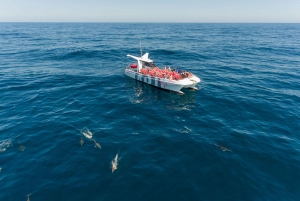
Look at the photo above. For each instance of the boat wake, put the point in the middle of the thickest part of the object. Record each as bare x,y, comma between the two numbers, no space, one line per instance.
4,144
88,134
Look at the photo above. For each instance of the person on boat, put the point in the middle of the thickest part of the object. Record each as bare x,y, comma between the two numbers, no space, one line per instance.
183,74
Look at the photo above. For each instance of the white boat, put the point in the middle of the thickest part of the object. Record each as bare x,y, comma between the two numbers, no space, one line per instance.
146,71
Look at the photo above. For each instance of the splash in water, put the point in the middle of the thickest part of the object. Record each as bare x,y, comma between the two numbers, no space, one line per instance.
86,133
4,144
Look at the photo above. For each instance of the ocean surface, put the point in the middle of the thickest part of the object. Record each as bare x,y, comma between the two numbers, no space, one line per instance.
236,138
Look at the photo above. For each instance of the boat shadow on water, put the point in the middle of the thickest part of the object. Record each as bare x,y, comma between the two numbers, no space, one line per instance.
145,93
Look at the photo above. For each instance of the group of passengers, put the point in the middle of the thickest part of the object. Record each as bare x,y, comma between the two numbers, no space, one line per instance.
167,73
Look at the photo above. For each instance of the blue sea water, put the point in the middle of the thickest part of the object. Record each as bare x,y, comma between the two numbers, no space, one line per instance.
59,79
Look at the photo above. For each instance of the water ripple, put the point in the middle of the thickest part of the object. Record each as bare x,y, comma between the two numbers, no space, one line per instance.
61,82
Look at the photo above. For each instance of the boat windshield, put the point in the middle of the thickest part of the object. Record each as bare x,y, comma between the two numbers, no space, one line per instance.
150,64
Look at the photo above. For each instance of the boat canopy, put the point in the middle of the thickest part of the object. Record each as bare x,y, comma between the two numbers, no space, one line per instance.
143,58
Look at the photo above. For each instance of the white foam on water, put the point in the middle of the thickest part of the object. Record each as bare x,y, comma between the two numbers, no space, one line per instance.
88,134
190,130
4,144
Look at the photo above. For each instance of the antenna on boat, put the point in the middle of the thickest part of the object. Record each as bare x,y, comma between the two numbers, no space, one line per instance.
141,48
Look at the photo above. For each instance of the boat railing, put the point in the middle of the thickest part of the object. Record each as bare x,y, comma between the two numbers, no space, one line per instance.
165,73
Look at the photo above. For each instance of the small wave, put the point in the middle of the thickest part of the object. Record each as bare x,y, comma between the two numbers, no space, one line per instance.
64,54
188,129
185,130
86,133
182,108
4,144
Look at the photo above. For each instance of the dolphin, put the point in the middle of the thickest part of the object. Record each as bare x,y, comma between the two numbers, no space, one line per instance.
81,141
21,147
222,148
0,169
114,164
28,197
97,144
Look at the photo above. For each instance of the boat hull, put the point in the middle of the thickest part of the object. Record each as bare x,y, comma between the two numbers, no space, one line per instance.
172,85
195,80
